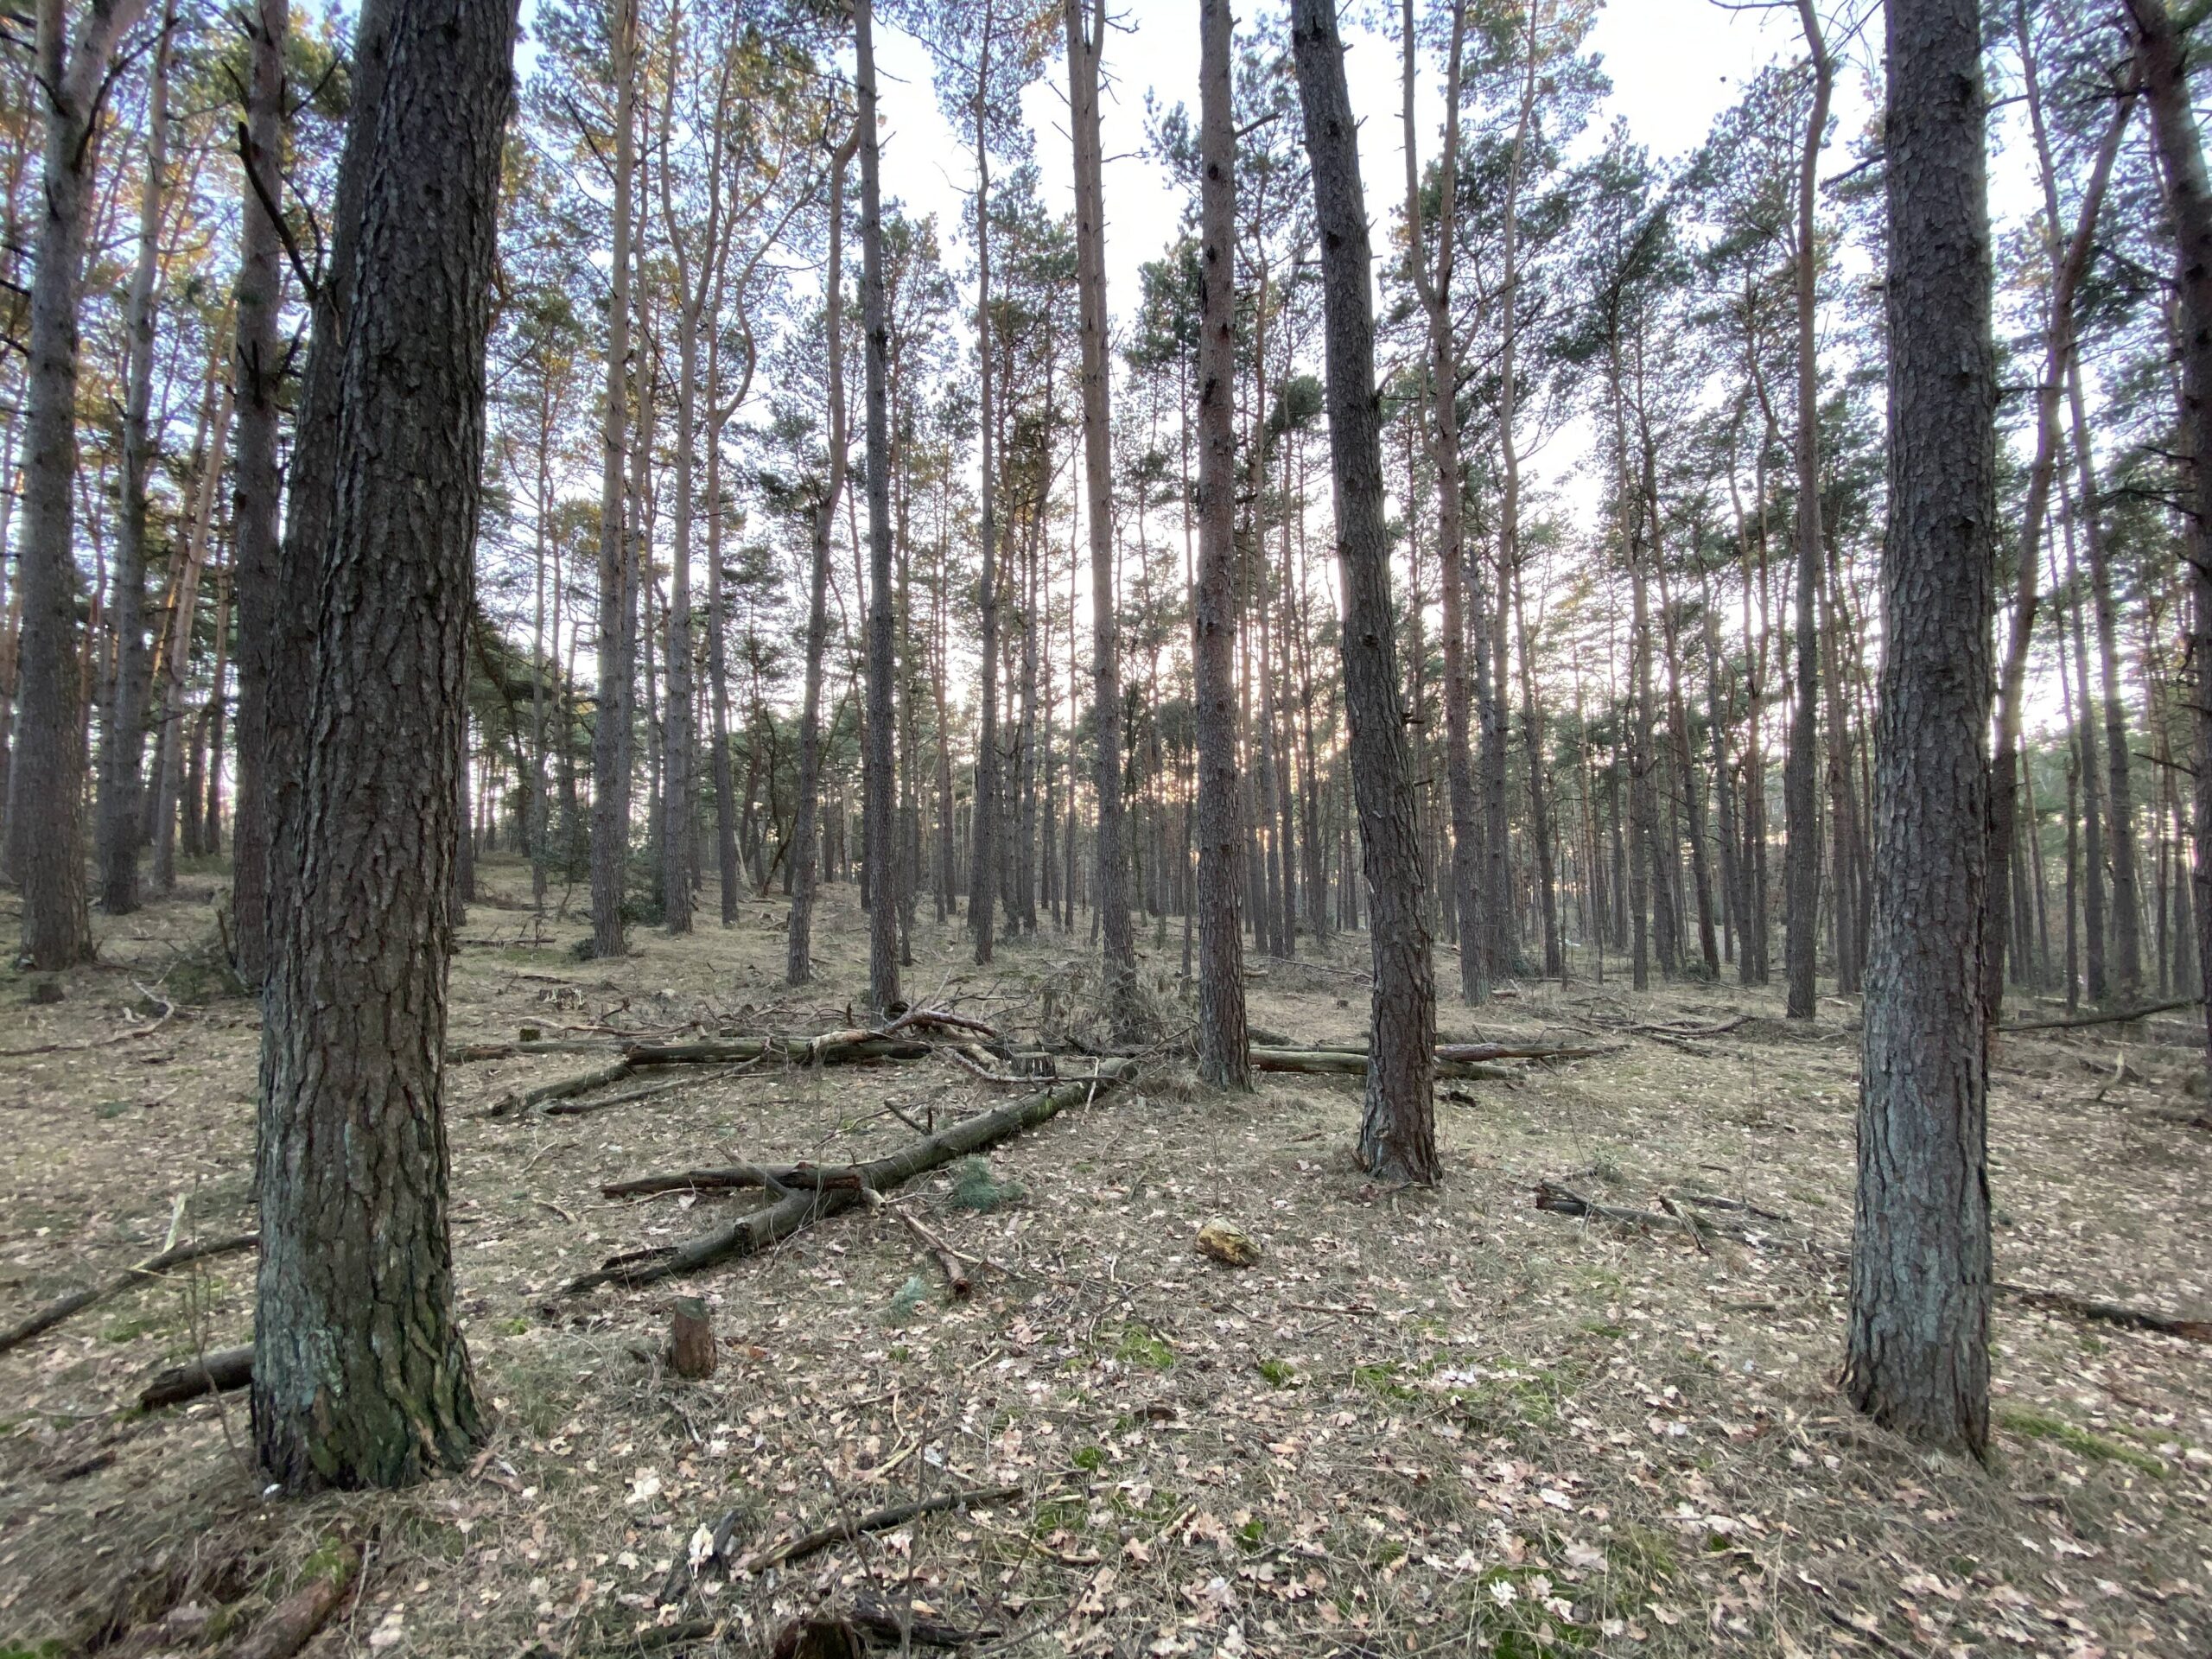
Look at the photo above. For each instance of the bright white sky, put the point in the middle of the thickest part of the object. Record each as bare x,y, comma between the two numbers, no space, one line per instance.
1674,64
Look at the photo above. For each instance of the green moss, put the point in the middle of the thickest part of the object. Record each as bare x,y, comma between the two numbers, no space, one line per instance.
1091,1457
2032,1425
1280,1373
1381,1380
1139,1346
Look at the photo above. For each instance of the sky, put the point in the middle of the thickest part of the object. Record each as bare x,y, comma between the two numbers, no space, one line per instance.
1674,64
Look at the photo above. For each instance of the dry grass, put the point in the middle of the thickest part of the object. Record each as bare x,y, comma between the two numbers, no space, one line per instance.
1425,1423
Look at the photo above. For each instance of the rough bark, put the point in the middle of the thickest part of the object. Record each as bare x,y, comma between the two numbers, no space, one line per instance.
361,1376
1918,1357
116,834
1397,1133
880,784
313,465
1221,842
257,480
46,766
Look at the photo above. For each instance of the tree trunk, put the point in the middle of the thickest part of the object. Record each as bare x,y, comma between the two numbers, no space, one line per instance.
880,785
123,728
1800,800
806,836
2163,72
361,1376
1918,1359
1085,23
610,748
1222,1039
1397,1133
257,484
45,772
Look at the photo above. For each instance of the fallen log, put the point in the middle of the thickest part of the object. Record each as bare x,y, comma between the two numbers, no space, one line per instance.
831,1048
824,1190
292,1621
76,1300
218,1373
2118,1314
731,1178
1353,1063
2112,1017
473,1053
1561,1201
518,1101
579,1108
949,1261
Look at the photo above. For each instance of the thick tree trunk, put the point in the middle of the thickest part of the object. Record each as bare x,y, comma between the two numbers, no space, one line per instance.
257,484
1397,1134
46,772
117,835
360,1377
314,469
1800,797
1085,23
1918,1357
879,804
1222,1041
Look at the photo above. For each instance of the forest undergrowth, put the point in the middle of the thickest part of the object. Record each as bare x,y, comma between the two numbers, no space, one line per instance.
1424,1421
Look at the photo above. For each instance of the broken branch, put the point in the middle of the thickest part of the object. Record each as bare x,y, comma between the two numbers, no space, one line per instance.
76,1300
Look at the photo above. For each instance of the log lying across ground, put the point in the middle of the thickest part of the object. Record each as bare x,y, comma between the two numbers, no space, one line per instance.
2111,1017
1560,1201
219,1372
1460,1060
76,1300
811,1192
831,1048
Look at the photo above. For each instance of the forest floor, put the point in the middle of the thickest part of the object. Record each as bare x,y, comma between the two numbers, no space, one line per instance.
1425,1422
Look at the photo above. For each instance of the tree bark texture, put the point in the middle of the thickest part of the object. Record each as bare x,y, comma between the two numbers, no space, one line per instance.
1918,1359
879,784
360,1375
1397,1132
1222,1039
258,482
46,767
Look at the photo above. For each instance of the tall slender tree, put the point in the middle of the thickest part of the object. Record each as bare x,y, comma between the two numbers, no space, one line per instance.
1222,1061
1397,1132
45,843
880,785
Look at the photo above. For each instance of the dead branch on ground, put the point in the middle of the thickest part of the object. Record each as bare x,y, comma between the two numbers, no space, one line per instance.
76,1300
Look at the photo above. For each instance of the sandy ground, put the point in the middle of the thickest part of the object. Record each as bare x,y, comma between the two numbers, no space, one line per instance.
1424,1422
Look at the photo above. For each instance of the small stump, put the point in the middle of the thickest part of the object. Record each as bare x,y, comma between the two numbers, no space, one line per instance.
690,1339
1228,1244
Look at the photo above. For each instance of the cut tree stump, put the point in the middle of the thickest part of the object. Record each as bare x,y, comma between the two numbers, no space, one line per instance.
76,1300
690,1339
819,1191
222,1371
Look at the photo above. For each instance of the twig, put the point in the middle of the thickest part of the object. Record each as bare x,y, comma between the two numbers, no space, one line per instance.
812,1543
